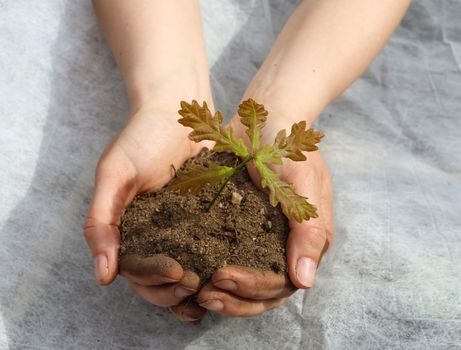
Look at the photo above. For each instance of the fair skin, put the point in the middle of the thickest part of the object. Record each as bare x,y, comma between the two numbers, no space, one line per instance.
322,49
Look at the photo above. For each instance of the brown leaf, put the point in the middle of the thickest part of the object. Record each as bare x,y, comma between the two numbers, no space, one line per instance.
208,127
292,146
293,205
253,116
199,176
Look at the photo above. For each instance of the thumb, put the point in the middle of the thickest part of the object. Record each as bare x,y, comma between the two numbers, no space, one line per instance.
101,226
307,241
306,244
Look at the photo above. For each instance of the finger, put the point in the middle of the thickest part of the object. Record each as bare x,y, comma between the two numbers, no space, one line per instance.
158,295
304,248
188,311
103,241
110,196
253,284
224,303
169,294
150,271
306,240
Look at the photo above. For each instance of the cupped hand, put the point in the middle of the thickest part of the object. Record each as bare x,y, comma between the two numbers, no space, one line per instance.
140,159
239,291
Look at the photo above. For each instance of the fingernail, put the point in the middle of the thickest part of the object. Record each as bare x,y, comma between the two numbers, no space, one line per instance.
305,271
181,292
101,267
213,305
226,285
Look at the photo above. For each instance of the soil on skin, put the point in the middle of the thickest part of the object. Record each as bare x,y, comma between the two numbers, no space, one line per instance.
252,233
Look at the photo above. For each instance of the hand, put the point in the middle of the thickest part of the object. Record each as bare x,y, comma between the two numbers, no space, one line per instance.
238,291
139,160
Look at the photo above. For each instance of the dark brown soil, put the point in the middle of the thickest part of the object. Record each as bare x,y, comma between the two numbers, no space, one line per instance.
252,233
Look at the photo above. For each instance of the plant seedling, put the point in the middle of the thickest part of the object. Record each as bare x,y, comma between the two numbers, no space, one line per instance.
253,115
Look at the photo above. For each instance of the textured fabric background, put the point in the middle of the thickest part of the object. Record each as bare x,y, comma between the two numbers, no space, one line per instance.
393,279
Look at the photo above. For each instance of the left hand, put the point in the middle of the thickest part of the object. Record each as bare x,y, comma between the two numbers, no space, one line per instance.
137,161
241,291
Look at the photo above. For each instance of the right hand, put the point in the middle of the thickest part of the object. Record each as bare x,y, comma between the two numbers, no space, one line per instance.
139,160
240,291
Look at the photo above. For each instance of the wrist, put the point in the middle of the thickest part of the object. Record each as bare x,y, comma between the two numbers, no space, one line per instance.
154,119
166,90
285,103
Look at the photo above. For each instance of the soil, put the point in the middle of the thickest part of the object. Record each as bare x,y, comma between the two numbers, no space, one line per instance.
251,233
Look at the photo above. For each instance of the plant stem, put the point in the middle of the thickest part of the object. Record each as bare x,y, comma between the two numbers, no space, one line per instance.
237,170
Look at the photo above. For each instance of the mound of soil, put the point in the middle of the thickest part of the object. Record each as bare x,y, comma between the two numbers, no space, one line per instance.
242,228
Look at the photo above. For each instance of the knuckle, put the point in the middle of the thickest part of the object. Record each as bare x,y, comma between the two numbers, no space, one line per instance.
108,170
104,167
155,298
258,290
253,289
316,237
88,228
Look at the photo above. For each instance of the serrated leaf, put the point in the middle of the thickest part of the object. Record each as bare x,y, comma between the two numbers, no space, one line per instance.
253,116
199,176
293,205
269,154
208,127
292,146
300,139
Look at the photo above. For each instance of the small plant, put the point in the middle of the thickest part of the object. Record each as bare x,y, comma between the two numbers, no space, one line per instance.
253,115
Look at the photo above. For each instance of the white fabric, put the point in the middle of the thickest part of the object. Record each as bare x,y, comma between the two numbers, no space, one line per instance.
393,279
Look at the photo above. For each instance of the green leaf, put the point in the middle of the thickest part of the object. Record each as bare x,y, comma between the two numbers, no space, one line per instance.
292,146
253,116
269,154
208,127
293,205
199,176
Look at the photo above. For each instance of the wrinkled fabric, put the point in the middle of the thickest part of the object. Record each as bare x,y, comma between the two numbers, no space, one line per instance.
393,277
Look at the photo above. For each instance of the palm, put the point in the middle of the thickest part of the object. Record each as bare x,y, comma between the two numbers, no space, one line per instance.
140,159
142,156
